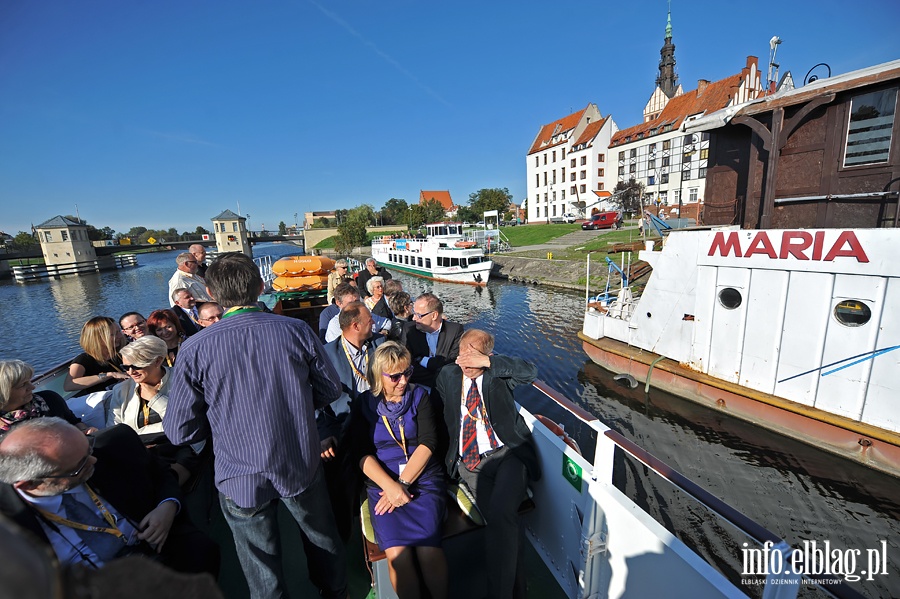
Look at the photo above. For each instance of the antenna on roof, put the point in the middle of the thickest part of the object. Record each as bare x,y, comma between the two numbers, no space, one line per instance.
772,75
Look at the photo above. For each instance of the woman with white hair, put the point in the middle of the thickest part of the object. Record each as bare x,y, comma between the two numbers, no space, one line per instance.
376,302
18,402
140,402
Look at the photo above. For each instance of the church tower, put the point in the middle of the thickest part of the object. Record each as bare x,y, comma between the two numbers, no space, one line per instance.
667,80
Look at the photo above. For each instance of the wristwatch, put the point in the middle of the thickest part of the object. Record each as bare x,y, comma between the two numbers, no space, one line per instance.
403,482
103,376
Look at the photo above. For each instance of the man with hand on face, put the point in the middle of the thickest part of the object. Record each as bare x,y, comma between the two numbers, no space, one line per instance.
94,499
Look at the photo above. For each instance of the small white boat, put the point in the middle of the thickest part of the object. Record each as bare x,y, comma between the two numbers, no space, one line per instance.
443,255
797,331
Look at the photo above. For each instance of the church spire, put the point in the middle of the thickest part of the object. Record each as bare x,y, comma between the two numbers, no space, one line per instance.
667,80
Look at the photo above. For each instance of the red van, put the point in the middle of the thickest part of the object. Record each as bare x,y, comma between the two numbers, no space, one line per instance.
602,220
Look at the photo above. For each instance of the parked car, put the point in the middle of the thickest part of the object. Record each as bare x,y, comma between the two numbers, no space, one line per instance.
602,220
479,223
570,218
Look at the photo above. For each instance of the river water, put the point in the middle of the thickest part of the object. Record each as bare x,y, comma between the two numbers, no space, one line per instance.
795,491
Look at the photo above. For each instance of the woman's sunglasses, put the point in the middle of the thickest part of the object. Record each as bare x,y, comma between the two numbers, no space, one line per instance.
395,378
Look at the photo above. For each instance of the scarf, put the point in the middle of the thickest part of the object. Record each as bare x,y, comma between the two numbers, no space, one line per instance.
35,408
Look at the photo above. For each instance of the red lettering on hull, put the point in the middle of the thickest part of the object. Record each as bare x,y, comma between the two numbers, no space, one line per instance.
799,245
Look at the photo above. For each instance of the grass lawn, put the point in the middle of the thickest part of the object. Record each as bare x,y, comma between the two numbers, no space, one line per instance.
537,234
328,244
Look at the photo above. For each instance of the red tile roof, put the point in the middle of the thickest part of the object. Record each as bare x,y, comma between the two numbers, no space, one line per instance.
714,97
441,196
590,132
544,137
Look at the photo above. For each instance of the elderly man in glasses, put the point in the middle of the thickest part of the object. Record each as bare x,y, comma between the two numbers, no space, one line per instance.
186,277
432,340
94,500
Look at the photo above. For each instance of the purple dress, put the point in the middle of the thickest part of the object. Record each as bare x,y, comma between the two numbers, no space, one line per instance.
418,523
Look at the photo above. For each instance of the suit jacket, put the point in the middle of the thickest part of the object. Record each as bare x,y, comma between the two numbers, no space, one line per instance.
364,275
334,422
497,384
446,353
189,326
126,476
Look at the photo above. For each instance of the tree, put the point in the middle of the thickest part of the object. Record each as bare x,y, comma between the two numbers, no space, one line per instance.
201,231
282,228
108,233
395,212
352,230
627,196
321,223
485,200
433,211
467,215
136,231
22,241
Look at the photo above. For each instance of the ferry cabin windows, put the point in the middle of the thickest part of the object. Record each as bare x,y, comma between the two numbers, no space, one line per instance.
730,298
852,313
869,131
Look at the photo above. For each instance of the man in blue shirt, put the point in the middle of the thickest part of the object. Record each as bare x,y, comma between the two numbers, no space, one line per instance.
252,383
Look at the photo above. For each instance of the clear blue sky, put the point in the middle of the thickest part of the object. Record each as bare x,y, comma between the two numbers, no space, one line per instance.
165,113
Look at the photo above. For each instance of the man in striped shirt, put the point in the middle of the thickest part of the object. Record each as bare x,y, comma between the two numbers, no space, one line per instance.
252,383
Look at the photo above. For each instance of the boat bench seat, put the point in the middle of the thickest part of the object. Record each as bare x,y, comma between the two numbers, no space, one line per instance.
462,516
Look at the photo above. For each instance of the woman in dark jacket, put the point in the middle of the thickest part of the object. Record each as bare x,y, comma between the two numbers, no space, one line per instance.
18,401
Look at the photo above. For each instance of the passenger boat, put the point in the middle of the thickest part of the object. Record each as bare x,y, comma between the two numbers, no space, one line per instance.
444,255
797,331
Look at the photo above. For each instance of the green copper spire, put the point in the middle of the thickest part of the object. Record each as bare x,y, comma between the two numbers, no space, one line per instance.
669,23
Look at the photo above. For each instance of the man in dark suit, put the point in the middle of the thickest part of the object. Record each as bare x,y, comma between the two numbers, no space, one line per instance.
93,499
350,354
186,309
432,340
490,449
371,270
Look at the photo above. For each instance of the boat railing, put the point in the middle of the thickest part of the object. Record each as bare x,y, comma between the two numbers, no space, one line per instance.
264,263
643,547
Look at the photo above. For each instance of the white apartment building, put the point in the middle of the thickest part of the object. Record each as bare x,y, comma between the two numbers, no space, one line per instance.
567,163
671,164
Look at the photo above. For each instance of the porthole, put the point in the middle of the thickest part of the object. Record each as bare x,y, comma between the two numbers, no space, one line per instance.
730,298
852,313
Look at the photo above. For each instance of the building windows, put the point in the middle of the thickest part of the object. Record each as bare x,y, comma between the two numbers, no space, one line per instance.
234,226
554,176
701,174
562,194
651,164
704,153
632,169
563,154
554,196
554,210
687,156
583,160
572,177
537,198
601,157
663,197
633,153
545,212
621,170
554,155
693,195
48,237
545,158
582,189
545,178
584,174
686,174
572,189
600,186
664,178
651,180
65,235
537,179
537,160
621,156
667,144
563,170
665,161
599,172
869,130
572,163
545,198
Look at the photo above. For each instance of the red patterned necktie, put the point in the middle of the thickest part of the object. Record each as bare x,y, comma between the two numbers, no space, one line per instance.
470,456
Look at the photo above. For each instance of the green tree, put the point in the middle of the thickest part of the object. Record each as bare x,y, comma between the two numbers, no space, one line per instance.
485,200
22,241
321,223
282,228
433,211
627,196
352,230
108,233
395,212
467,215
201,231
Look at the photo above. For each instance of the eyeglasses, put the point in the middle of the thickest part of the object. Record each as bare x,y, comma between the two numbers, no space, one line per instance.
137,325
129,367
395,378
81,465
421,316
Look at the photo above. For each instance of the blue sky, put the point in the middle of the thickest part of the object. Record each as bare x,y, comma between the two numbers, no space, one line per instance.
165,113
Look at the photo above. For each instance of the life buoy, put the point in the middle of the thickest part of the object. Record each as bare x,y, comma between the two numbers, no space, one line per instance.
559,432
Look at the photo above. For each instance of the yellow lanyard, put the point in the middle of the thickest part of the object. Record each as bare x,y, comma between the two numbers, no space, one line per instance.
353,365
114,530
402,442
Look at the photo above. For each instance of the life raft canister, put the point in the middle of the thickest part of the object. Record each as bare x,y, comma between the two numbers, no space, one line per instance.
307,283
301,266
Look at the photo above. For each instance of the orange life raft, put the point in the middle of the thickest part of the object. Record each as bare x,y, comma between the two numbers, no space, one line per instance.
301,266
307,283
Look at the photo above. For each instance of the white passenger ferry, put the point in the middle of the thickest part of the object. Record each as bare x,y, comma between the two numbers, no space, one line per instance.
794,330
443,255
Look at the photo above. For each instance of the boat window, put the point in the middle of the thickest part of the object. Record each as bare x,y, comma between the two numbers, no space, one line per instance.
474,259
871,124
463,262
730,298
427,262
454,261
420,260
852,313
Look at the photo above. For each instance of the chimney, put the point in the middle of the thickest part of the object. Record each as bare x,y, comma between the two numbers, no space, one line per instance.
701,86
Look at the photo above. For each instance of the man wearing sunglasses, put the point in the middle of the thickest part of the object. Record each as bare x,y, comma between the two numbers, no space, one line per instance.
96,499
432,340
490,449
186,277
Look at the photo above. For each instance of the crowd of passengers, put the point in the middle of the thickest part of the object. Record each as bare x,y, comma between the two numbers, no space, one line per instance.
390,403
